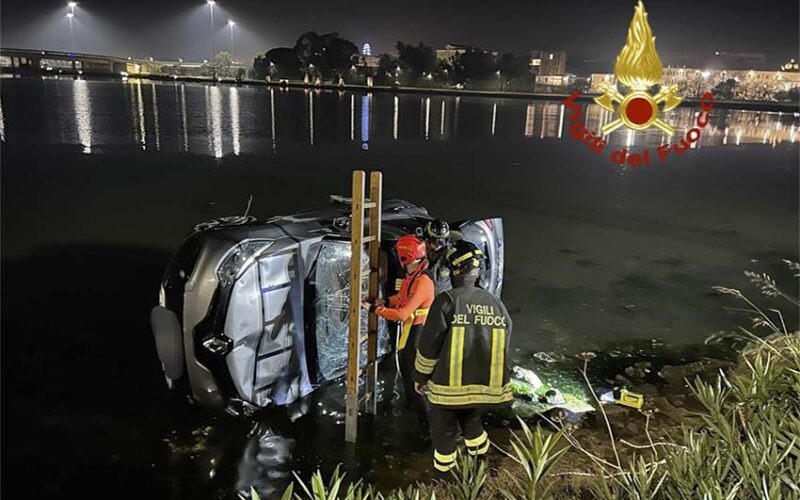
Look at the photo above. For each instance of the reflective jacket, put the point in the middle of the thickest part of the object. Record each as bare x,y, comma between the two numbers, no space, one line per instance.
462,351
411,304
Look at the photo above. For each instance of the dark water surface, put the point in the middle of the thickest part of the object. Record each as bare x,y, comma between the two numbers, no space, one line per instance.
102,179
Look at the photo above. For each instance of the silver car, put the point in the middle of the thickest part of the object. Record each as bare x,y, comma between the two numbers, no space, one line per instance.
254,313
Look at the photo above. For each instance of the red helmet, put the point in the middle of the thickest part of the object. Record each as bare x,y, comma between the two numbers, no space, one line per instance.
409,249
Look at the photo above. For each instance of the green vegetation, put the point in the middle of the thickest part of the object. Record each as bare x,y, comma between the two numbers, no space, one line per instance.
328,56
223,66
743,442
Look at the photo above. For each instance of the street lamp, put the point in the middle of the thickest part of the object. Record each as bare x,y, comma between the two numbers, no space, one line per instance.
70,16
211,4
231,25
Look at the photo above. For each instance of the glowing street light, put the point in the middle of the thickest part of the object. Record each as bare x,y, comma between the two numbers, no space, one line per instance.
231,25
71,6
211,4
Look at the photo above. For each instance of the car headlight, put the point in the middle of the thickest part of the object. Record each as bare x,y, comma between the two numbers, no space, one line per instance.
239,258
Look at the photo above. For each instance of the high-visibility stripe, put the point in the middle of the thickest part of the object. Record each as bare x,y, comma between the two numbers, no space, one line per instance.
498,357
474,443
426,361
462,258
470,399
445,395
421,312
456,356
443,468
424,365
447,390
479,451
405,330
444,459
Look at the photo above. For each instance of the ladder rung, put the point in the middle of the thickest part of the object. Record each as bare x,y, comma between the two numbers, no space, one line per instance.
370,204
369,239
363,339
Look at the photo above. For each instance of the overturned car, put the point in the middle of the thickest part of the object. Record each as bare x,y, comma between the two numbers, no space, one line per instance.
254,313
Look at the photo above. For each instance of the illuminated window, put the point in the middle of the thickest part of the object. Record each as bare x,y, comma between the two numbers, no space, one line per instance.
551,57
536,62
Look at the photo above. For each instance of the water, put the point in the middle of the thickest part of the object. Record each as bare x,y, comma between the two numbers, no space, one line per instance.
101,180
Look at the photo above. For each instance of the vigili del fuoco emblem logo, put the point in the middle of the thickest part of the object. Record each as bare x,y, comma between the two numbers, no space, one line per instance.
638,67
637,100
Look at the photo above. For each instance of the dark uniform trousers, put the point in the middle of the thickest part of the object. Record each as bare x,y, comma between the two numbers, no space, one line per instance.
406,361
446,425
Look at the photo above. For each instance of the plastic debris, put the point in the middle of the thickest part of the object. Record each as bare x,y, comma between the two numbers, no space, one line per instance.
527,376
530,400
549,357
554,397
622,397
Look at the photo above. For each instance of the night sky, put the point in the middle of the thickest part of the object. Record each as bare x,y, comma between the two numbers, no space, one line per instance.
585,29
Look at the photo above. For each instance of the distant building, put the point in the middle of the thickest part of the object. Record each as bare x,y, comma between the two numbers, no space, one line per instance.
791,65
367,61
452,50
548,62
714,60
52,61
552,80
692,82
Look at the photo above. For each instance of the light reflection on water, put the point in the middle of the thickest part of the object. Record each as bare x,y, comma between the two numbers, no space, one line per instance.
194,111
140,113
214,112
83,114
155,117
234,106
2,123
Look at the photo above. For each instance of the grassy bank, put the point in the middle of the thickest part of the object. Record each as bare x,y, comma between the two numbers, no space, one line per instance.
737,436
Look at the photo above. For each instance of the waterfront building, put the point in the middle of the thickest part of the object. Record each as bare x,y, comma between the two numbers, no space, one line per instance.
452,50
714,60
691,82
548,62
790,65
52,61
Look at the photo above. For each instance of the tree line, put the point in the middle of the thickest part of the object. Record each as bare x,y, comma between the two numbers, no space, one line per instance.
333,58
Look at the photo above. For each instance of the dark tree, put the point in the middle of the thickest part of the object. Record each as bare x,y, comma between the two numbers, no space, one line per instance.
417,59
725,89
387,66
328,54
792,95
473,64
512,66
279,62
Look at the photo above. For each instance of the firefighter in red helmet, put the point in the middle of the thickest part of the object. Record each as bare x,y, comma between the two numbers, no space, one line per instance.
409,307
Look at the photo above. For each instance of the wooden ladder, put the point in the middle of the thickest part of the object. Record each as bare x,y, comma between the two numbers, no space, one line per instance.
357,241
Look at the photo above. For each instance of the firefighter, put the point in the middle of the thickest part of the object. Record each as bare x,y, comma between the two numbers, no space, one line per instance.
460,366
436,234
410,308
